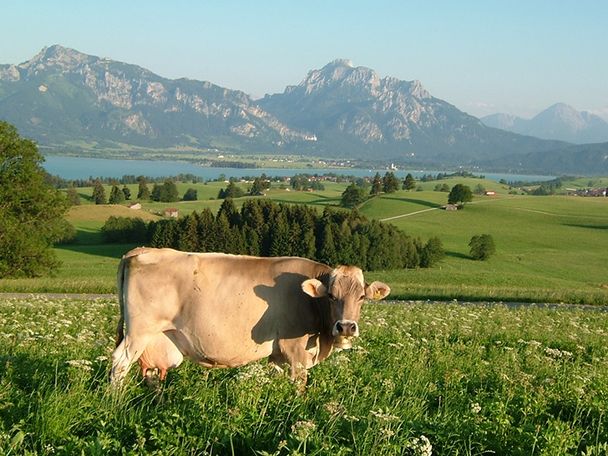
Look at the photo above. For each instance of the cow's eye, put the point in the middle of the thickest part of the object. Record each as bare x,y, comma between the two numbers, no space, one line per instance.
331,296
362,298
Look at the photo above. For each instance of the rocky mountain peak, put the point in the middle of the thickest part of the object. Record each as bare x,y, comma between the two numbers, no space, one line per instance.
57,56
340,63
559,121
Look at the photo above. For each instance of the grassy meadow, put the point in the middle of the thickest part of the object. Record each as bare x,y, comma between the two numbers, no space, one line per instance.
549,248
423,379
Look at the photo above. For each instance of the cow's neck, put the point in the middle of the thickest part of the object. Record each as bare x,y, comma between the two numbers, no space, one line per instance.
324,312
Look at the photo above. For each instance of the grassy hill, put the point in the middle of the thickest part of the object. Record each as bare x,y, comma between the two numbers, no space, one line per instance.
549,248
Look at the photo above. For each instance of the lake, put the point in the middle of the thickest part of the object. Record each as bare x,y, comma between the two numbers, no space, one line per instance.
84,167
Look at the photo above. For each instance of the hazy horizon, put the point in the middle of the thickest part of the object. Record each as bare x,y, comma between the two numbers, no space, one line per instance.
517,58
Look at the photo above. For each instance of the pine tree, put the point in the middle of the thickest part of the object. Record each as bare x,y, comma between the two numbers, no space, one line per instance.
302,230
163,233
252,241
223,234
99,193
205,231
390,183
126,191
279,236
143,192
188,238
257,188
344,245
116,195
229,210
327,250
376,185
409,183
73,196
156,192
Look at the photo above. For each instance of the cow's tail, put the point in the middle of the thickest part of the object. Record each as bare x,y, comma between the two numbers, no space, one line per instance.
120,330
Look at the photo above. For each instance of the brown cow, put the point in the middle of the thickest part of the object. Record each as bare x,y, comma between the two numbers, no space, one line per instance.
224,310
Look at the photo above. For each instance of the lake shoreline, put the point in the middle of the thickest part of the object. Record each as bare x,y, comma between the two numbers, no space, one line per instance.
72,167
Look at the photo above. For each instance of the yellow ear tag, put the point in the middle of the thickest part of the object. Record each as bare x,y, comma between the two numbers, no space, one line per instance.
377,295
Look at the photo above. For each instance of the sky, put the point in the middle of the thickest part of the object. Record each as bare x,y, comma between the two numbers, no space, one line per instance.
512,56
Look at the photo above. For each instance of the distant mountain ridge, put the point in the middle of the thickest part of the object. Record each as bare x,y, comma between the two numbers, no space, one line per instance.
560,122
352,107
62,96
70,101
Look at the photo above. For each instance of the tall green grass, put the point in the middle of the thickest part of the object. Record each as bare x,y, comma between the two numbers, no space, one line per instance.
468,379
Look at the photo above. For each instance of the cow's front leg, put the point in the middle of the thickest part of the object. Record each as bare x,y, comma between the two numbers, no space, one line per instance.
294,352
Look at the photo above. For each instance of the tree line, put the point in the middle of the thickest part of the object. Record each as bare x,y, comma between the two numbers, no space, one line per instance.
266,228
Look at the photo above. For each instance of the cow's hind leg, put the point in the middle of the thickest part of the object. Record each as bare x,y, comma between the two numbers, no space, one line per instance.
127,352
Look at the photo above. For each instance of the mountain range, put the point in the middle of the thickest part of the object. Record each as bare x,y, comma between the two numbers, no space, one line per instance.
559,121
73,102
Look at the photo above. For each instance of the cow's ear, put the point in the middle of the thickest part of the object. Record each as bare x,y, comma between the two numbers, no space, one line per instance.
377,290
314,288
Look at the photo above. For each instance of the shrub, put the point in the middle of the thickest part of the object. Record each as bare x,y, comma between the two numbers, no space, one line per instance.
432,252
482,247
352,196
124,229
190,195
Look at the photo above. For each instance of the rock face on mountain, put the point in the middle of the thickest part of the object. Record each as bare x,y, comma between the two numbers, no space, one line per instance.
560,121
63,97
67,100
352,108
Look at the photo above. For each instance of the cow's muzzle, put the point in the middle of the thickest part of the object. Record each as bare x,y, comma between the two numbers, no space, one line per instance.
345,328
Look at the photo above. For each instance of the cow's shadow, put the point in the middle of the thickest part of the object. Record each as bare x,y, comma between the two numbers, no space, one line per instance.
291,313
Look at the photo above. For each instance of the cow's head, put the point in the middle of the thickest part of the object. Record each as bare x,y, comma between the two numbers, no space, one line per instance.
345,292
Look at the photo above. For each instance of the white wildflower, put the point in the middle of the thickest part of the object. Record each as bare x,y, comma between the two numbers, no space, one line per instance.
301,430
553,352
253,372
83,364
384,415
421,446
388,384
334,408
475,407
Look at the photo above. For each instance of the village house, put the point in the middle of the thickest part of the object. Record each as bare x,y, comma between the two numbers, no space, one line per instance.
171,212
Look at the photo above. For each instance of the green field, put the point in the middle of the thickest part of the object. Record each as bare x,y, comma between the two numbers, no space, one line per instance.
549,248
467,379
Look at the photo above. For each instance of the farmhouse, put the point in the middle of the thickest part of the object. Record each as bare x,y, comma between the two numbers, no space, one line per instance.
171,212
451,207
490,193
134,206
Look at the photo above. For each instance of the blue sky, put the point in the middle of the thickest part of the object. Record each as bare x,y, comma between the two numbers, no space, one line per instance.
482,56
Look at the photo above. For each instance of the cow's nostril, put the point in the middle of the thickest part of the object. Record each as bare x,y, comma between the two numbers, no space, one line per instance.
353,327
339,328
